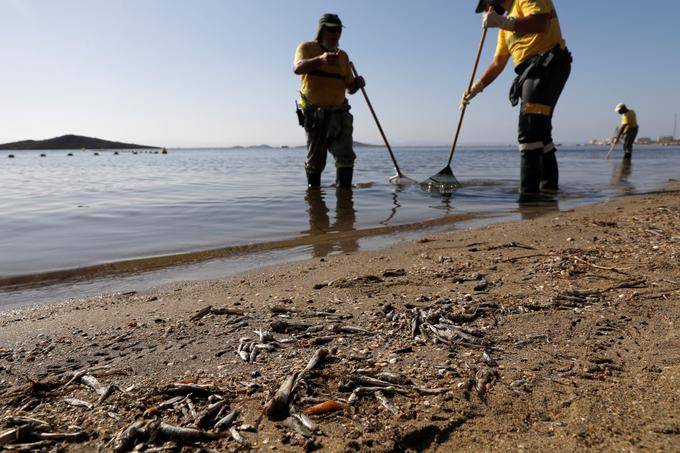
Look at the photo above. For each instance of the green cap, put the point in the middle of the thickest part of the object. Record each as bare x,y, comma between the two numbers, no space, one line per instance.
328,20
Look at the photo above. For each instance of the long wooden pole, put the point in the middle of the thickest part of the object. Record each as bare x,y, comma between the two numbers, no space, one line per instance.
377,122
462,110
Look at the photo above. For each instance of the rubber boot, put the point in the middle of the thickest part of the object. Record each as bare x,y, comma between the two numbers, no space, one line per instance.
313,179
550,174
344,177
530,176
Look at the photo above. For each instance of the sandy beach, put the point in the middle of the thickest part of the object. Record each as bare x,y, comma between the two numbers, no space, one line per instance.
552,333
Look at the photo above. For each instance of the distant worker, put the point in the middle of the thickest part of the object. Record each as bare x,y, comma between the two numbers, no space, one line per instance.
531,34
323,109
629,129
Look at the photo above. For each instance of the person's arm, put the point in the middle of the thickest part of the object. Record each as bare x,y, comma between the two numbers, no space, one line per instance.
356,85
537,23
622,130
490,74
494,69
311,64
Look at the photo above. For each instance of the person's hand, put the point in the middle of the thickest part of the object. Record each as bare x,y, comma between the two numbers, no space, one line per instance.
359,82
494,20
330,58
477,88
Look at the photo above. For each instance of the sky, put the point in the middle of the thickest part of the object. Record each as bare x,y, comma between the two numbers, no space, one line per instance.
210,73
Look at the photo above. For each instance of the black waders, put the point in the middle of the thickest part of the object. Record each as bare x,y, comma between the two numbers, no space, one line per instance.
549,172
530,174
344,177
313,179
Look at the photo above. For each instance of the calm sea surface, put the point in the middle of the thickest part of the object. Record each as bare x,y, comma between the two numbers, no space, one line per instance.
70,223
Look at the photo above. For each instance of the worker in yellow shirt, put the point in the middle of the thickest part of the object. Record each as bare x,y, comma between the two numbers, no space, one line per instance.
323,110
530,33
629,129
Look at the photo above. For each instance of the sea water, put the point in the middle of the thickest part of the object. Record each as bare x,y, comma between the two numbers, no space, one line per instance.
82,224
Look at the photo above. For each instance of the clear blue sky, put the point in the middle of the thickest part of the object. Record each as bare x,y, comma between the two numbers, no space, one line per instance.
219,72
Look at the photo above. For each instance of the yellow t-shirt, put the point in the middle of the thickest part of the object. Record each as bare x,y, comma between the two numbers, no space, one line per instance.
629,119
523,46
326,86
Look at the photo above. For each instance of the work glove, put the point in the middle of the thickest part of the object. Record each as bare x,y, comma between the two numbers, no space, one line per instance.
477,88
494,20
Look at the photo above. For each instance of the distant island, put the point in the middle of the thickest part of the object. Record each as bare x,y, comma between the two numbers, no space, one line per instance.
72,142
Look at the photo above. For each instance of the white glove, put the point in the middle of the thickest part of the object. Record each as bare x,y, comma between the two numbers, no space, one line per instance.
477,88
494,20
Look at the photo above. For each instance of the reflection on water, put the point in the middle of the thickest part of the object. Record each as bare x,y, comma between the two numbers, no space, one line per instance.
83,216
320,223
621,175
393,209
533,210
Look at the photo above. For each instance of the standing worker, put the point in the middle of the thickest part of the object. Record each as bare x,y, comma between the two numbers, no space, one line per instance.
323,110
629,129
531,34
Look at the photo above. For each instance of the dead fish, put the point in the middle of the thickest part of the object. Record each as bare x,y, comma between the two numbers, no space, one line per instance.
78,403
315,329
33,423
280,310
196,389
166,432
205,417
108,391
278,405
427,391
128,437
191,407
353,398
265,336
308,422
201,313
73,437
93,383
360,379
318,356
10,436
227,421
392,389
325,408
238,438
351,330
483,378
489,360
253,355
282,326
394,378
171,402
296,425
226,311
387,404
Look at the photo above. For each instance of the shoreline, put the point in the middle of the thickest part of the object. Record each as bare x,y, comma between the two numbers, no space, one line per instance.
148,264
566,338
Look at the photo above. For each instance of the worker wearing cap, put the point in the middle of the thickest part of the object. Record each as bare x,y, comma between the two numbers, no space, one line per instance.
530,33
629,129
323,110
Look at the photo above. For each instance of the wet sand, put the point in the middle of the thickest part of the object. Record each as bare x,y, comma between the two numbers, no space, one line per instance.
557,332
